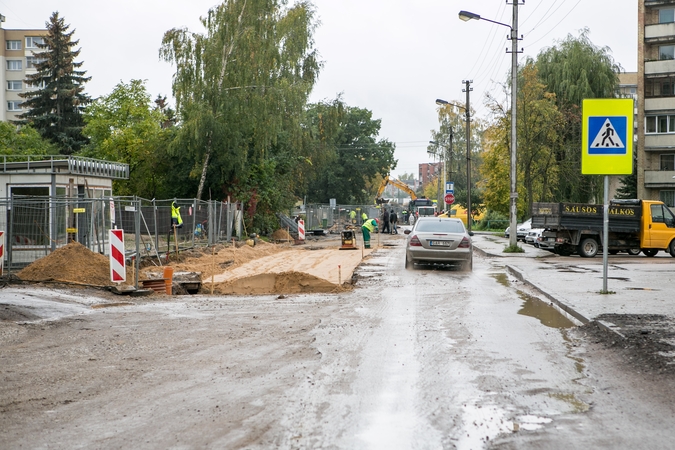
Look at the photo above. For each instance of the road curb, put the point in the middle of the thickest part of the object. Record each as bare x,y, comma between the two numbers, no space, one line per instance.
572,312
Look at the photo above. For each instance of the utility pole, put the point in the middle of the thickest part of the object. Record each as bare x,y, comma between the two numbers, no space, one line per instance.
513,216
468,89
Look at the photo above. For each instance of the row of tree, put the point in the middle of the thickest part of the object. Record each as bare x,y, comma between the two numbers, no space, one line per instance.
242,128
551,89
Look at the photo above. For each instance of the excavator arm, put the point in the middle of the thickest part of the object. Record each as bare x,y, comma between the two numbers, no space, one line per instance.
397,183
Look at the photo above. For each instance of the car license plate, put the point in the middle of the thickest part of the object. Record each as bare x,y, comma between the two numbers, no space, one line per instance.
440,243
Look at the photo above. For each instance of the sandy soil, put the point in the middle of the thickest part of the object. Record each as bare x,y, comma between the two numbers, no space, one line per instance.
265,268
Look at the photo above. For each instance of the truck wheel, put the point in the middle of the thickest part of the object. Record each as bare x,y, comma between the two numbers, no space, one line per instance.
650,251
633,251
588,248
671,248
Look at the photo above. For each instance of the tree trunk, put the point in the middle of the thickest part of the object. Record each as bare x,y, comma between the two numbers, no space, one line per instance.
205,166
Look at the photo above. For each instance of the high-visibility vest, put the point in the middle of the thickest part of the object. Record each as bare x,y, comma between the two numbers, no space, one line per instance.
364,216
371,225
175,214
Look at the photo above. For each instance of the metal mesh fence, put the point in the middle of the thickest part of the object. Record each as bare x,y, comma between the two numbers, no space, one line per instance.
36,226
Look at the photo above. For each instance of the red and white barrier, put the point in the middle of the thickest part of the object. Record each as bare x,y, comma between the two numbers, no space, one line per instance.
118,271
301,230
2,251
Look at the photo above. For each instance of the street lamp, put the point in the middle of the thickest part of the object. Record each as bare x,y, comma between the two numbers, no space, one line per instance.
513,213
468,152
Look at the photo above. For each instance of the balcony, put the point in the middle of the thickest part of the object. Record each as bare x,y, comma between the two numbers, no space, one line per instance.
659,104
662,32
663,67
659,178
656,142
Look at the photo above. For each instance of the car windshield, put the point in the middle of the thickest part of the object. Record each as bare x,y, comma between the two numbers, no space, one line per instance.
440,226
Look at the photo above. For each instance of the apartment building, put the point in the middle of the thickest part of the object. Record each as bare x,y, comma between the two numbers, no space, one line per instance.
429,171
656,100
18,60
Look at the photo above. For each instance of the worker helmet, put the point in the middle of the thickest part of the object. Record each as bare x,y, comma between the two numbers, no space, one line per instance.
377,220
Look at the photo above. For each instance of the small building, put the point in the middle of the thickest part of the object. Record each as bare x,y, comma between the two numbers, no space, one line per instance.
48,201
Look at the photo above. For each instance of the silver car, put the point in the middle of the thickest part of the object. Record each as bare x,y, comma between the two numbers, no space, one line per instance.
439,240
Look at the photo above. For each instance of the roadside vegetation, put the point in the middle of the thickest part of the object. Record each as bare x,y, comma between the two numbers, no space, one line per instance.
242,125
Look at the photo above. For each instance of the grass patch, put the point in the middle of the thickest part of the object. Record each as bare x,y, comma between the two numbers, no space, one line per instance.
513,249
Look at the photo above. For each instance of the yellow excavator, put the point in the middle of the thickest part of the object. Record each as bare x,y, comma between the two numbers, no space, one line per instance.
394,182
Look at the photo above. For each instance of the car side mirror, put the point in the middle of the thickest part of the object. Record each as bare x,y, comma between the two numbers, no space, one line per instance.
406,231
470,233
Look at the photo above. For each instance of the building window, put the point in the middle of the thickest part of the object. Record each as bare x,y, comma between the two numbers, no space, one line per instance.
33,41
659,87
13,45
13,105
667,15
666,52
14,85
660,124
14,64
32,61
39,85
667,197
668,162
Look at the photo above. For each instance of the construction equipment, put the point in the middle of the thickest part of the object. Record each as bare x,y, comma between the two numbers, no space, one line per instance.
397,183
348,240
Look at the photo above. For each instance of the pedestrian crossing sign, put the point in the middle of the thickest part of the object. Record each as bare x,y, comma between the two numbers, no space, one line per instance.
607,137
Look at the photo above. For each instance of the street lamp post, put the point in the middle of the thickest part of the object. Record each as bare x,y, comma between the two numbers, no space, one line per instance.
445,156
468,150
513,213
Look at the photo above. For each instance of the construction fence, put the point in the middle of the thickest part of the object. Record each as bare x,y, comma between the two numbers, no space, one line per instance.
33,227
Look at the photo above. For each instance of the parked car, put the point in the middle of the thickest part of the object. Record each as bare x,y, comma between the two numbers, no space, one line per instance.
522,230
439,240
533,235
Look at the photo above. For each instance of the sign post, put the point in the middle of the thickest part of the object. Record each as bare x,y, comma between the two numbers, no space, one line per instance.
607,149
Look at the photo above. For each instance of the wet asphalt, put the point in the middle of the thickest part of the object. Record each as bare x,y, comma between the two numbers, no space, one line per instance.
636,284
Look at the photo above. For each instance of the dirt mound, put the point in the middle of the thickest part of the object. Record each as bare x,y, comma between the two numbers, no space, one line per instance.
222,258
276,283
281,235
71,263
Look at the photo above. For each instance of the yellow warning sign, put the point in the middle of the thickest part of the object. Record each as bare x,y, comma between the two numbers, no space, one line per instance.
71,230
607,136
79,210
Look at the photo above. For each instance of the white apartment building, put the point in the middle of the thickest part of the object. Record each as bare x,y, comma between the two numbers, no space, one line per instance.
17,47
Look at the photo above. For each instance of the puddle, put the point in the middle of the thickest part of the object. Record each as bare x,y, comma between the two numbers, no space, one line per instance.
501,278
577,405
545,313
109,305
640,289
530,423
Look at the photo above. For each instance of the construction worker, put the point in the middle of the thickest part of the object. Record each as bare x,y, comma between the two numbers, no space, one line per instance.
176,221
364,217
368,227
352,216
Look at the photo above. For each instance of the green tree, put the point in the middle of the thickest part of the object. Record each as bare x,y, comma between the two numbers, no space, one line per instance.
449,141
55,107
240,90
355,159
24,140
575,69
124,126
539,138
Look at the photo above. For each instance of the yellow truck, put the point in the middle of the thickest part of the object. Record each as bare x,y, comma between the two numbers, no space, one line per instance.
634,226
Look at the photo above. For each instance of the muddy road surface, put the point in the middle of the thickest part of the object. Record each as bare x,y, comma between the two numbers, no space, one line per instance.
410,359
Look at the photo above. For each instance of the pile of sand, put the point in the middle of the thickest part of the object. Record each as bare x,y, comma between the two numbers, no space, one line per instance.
225,258
72,263
276,283
281,235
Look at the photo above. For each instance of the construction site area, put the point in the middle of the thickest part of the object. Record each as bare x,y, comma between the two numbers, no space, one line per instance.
280,266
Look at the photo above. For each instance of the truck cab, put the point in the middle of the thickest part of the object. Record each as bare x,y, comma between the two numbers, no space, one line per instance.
658,228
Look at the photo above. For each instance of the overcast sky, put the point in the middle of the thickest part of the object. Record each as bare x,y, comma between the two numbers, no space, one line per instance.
393,57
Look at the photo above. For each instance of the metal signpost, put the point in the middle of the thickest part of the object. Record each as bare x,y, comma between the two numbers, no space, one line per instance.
607,149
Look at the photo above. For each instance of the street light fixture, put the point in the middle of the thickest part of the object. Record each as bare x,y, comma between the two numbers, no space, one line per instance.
513,213
468,152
